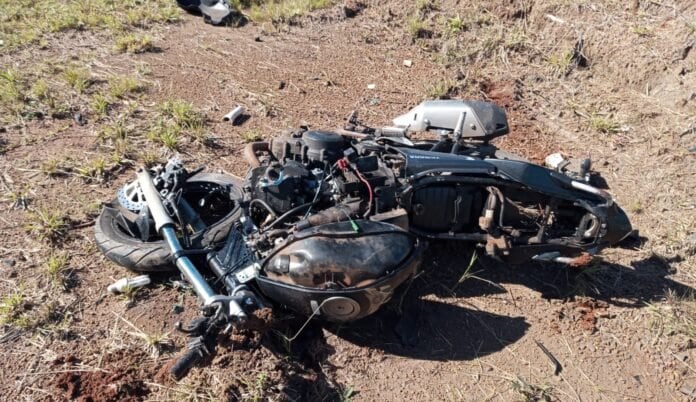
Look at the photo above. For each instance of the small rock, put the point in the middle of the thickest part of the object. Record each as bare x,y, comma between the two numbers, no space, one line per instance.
258,38
408,63
352,8
371,86
8,263
79,119
281,85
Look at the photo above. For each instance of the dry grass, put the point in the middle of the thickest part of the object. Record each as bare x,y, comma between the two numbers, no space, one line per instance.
12,310
252,135
648,172
134,44
56,268
677,315
26,22
47,224
441,89
153,344
280,10
532,392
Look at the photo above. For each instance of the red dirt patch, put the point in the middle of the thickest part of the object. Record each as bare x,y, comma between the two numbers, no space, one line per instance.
525,138
122,379
590,310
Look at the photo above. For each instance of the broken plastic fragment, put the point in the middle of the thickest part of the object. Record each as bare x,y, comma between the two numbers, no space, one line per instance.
129,283
554,160
215,12
234,114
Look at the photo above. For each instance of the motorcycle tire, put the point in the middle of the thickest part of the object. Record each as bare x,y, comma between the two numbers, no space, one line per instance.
154,256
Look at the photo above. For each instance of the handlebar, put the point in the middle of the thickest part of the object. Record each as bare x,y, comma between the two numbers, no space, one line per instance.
184,363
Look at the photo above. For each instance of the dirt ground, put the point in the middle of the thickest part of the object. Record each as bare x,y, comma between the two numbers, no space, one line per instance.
615,80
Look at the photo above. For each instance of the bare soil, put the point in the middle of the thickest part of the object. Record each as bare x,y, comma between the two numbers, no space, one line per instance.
613,326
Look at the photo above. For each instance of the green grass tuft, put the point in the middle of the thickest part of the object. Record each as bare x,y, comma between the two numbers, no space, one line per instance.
56,268
183,114
281,10
416,27
78,78
47,224
165,134
251,136
603,124
11,89
560,63
120,87
441,89
134,44
24,23
95,169
12,310
100,105
454,25
425,5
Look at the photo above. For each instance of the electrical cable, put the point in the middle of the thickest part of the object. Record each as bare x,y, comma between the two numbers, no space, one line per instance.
369,189
281,218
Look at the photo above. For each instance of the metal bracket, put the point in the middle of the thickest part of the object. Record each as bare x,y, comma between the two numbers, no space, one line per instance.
228,305
248,273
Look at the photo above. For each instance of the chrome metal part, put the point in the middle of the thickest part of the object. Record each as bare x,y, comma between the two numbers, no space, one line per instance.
248,273
340,308
154,202
131,197
199,284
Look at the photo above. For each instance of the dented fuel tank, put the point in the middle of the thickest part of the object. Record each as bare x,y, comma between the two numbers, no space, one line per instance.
339,273
335,255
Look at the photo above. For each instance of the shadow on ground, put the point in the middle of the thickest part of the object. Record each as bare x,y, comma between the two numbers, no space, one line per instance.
641,281
415,326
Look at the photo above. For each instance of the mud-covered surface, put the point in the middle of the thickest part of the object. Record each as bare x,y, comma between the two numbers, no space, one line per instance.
611,80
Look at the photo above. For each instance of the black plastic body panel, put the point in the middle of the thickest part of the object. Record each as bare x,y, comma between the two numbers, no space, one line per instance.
418,161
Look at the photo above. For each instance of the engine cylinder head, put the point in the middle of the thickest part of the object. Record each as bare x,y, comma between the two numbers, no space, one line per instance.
323,146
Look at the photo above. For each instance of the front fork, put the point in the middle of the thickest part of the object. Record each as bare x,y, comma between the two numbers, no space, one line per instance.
227,308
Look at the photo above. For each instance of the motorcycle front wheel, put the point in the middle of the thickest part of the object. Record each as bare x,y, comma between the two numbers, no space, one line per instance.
119,244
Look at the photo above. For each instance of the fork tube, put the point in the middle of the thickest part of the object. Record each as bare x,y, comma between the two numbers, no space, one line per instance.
165,227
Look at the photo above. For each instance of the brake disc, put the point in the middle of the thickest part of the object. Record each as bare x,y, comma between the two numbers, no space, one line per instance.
131,197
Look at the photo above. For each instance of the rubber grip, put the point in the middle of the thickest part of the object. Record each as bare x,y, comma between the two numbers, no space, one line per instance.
184,364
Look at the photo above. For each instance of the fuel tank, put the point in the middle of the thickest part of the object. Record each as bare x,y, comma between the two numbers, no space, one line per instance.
338,272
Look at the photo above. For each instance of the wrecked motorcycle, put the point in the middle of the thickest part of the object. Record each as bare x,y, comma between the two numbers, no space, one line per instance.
329,223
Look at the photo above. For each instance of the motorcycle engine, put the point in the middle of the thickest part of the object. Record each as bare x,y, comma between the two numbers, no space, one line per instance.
312,148
283,186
